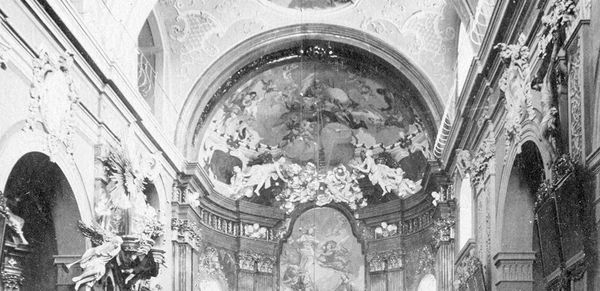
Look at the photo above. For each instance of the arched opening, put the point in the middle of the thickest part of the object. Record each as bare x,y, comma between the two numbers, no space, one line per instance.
150,60
520,244
38,192
322,252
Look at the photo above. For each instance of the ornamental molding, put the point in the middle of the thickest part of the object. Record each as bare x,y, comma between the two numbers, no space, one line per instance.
481,163
386,260
443,230
466,268
53,100
11,281
187,230
575,77
256,262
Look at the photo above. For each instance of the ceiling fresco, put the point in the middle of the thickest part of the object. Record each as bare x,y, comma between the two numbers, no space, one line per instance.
317,129
312,4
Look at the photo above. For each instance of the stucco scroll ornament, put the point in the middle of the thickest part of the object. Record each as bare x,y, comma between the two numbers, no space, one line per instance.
53,100
516,85
480,164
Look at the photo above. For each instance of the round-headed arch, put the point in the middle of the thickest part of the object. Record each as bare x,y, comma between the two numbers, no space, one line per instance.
264,49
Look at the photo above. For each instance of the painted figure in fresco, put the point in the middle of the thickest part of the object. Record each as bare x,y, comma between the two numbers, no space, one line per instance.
334,256
297,279
93,262
258,175
307,242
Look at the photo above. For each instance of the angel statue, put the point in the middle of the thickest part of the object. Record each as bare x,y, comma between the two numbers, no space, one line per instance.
94,260
14,221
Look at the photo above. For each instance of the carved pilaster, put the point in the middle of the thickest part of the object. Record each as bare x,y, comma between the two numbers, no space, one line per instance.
575,103
13,266
444,260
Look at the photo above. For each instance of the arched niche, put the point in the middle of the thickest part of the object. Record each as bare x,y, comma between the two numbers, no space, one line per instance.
322,251
519,240
227,70
38,191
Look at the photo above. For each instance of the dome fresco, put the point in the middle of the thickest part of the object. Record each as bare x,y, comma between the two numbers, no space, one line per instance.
317,129
312,4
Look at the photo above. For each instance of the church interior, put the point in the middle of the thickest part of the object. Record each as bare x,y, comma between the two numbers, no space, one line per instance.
299,145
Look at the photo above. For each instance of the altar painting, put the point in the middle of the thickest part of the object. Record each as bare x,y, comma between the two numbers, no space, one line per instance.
322,254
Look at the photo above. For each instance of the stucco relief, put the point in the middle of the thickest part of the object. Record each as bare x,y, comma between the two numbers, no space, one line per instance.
53,100
516,85
200,31
574,93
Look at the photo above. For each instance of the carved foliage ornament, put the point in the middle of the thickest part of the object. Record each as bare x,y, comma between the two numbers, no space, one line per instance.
466,268
387,260
12,281
247,260
53,100
560,15
479,165
575,101
190,231
443,229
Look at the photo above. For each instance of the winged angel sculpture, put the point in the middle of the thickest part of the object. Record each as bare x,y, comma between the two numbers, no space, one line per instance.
94,260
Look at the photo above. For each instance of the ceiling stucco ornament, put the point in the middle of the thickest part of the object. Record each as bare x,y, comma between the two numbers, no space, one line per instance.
192,29
516,85
53,100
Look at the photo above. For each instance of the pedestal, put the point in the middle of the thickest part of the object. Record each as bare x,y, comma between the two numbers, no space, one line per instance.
515,270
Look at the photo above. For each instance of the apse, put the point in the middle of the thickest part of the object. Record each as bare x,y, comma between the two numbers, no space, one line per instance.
319,122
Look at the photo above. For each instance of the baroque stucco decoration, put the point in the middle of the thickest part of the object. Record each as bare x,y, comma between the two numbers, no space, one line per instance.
477,165
386,260
516,85
53,100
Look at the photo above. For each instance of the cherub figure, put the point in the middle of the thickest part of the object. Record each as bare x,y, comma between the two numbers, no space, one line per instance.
94,260
260,175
